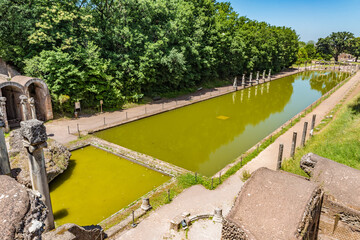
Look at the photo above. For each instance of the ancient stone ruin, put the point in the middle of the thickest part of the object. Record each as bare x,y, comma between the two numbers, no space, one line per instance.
274,205
17,91
340,217
22,211
56,159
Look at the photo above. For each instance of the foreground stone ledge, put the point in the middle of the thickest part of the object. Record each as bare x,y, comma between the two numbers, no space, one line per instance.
339,181
275,205
72,231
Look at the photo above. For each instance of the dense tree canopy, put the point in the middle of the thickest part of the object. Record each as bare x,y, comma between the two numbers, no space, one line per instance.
120,50
335,44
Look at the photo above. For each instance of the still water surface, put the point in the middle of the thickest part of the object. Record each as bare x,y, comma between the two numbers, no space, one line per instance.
206,136
97,184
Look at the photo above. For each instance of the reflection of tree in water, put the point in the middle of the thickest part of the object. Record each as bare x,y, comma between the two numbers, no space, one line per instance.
325,81
188,137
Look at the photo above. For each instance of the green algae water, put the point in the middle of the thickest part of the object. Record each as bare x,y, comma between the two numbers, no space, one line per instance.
97,184
206,136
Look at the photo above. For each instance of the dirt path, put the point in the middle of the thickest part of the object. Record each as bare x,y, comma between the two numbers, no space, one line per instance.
198,200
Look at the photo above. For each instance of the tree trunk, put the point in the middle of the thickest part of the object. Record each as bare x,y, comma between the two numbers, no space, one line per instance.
336,57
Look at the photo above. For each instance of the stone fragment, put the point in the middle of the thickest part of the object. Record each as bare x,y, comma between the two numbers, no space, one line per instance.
22,211
56,158
72,231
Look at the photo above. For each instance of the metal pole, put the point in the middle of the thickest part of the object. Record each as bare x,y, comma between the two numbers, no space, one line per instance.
280,155
78,129
104,121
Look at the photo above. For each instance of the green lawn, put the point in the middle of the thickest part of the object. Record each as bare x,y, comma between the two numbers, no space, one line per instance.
339,140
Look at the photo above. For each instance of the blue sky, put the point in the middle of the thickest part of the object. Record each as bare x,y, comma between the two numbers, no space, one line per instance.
310,19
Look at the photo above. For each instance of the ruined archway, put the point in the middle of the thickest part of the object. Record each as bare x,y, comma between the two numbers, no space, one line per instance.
12,92
38,90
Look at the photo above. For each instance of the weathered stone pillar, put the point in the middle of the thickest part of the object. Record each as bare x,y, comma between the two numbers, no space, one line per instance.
34,140
146,204
250,79
23,100
235,84
4,157
269,76
3,111
218,217
32,107
257,76
243,80
264,73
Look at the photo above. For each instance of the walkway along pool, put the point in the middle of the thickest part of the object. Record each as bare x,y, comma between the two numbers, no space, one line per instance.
206,136
97,184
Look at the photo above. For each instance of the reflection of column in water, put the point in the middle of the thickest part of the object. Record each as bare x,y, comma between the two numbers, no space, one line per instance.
233,97
249,93
256,90
268,87
242,95
262,89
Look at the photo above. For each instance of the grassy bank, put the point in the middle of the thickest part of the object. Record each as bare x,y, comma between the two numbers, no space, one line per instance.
339,140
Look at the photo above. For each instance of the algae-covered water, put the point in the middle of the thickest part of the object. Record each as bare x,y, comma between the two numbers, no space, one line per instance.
206,136
97,184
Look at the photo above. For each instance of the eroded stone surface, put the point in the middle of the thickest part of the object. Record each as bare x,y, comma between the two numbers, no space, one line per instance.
56,158
33,131
72,231
338,180
274,205
22,211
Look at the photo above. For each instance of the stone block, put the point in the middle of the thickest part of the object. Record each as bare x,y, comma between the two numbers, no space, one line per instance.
33,131
339,181
275,205
72,231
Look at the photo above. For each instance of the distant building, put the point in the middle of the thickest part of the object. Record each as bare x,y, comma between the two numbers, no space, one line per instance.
346,57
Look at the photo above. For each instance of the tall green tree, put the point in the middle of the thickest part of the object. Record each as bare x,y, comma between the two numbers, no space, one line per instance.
355,48
335,44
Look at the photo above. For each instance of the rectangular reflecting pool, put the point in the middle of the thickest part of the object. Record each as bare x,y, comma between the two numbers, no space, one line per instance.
206,136
97,184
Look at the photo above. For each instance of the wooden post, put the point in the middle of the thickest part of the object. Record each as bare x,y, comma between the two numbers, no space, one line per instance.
293,145
312,124
280,155
304,134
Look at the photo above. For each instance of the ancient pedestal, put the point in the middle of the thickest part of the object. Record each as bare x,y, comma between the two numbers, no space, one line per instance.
34,140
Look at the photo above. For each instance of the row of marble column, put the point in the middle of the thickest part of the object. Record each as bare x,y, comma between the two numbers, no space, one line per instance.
235,85
23,102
